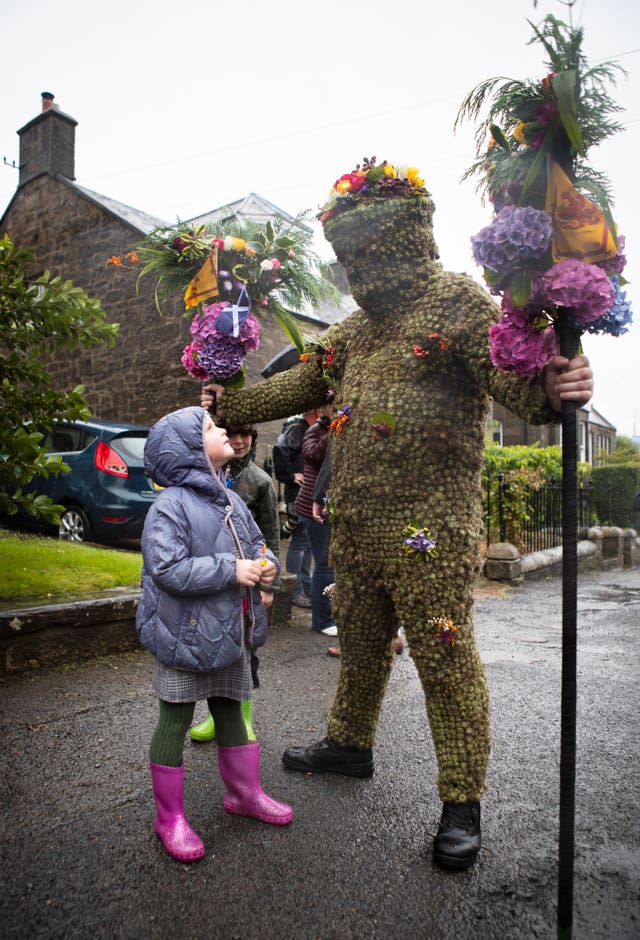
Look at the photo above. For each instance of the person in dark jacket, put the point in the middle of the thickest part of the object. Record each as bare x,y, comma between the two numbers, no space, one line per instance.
288,467
255,488
314,449
204,564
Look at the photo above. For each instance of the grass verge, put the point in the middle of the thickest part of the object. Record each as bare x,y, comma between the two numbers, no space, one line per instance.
37,567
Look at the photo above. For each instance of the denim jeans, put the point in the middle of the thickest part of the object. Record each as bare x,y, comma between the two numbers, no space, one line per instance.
319,535
299,559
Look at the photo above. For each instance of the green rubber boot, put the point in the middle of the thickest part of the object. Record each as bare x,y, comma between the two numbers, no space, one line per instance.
205,731
246,714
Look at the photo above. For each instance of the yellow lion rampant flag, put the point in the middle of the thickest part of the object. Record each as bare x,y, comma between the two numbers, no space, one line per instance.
580,229
205,284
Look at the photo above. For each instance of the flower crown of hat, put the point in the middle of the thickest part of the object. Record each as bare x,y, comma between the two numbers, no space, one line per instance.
372,181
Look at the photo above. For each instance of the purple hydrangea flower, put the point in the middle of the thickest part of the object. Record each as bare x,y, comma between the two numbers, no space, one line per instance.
219,358
615,321
617,264
572,283
203,327
517,237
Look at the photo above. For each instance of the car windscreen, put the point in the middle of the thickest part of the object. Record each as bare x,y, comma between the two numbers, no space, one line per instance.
130,447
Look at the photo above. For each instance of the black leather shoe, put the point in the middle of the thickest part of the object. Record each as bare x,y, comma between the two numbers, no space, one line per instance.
328,757
458,840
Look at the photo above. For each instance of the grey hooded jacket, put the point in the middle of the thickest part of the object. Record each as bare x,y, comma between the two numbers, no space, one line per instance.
190,615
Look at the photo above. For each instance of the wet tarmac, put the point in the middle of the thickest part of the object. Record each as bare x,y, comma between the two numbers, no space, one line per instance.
79,858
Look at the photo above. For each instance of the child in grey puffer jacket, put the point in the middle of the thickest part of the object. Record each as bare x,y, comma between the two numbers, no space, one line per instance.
204,562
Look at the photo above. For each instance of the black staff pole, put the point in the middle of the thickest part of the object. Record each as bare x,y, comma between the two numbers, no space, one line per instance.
568,340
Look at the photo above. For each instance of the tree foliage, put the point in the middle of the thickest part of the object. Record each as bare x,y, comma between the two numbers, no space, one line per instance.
626,452
39,316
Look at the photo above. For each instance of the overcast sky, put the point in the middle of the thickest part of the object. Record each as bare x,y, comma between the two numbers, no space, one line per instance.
182,107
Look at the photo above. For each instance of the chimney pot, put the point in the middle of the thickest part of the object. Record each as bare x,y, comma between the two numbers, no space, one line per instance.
47,100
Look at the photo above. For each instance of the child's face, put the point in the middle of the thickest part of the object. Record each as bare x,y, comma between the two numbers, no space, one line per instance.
241,440
217,443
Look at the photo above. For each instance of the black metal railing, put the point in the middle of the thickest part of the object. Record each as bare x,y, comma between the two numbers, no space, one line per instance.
539,524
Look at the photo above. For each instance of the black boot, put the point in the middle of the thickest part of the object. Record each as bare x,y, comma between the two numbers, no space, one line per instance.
457,843
328,757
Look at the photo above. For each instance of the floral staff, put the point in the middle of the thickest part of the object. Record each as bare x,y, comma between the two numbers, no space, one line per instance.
230,280
554,257
550,252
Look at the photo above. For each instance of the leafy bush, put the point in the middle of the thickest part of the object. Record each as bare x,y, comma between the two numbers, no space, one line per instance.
38,317
525,470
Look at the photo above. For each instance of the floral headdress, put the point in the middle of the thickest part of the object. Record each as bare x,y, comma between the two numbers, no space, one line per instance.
550,251
225,276
369,183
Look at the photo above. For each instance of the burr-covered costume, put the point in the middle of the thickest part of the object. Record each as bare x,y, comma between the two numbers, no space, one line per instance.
413,379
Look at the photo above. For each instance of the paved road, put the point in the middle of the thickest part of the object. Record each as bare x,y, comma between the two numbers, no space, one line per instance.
79,859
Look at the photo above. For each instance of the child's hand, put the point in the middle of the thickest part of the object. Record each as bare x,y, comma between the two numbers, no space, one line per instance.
249,572
267,573
267,598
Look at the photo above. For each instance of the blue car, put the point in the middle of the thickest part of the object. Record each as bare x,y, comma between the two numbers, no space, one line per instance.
106,494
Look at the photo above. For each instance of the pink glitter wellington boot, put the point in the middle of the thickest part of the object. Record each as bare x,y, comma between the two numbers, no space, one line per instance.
178,838
240,772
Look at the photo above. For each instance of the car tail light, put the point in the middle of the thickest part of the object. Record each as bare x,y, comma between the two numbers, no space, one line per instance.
109,461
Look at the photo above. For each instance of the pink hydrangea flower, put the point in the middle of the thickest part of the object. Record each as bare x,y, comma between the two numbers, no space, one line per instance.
517,347
189,361
585,288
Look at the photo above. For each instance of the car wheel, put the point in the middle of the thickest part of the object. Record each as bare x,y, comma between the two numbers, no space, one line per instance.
74,525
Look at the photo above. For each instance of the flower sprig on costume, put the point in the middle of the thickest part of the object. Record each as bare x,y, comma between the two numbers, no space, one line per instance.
328,511
370,182
383,425
550,252
326,355
419,542
445,629
340,420
434,343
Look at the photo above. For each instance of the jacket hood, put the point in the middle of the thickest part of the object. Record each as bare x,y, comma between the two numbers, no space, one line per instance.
174,454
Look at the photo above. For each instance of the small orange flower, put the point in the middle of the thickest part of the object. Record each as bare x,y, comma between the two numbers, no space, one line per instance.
132,257
115,261
305,357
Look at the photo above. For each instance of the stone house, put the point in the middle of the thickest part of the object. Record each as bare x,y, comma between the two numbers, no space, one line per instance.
596,435
73,231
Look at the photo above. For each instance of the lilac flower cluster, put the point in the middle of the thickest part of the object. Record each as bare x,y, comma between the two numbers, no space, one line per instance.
517,238
214,355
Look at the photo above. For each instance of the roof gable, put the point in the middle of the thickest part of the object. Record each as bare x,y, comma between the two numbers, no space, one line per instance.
251,206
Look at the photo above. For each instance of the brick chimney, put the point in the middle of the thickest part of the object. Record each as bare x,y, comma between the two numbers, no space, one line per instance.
47,143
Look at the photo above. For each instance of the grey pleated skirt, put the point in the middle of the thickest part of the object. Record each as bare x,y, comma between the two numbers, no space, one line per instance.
184,685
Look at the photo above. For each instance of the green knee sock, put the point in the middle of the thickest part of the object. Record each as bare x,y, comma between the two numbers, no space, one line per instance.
231,730
167,743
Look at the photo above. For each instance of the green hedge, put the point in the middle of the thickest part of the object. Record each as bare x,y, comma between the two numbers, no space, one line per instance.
525,470
614,488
